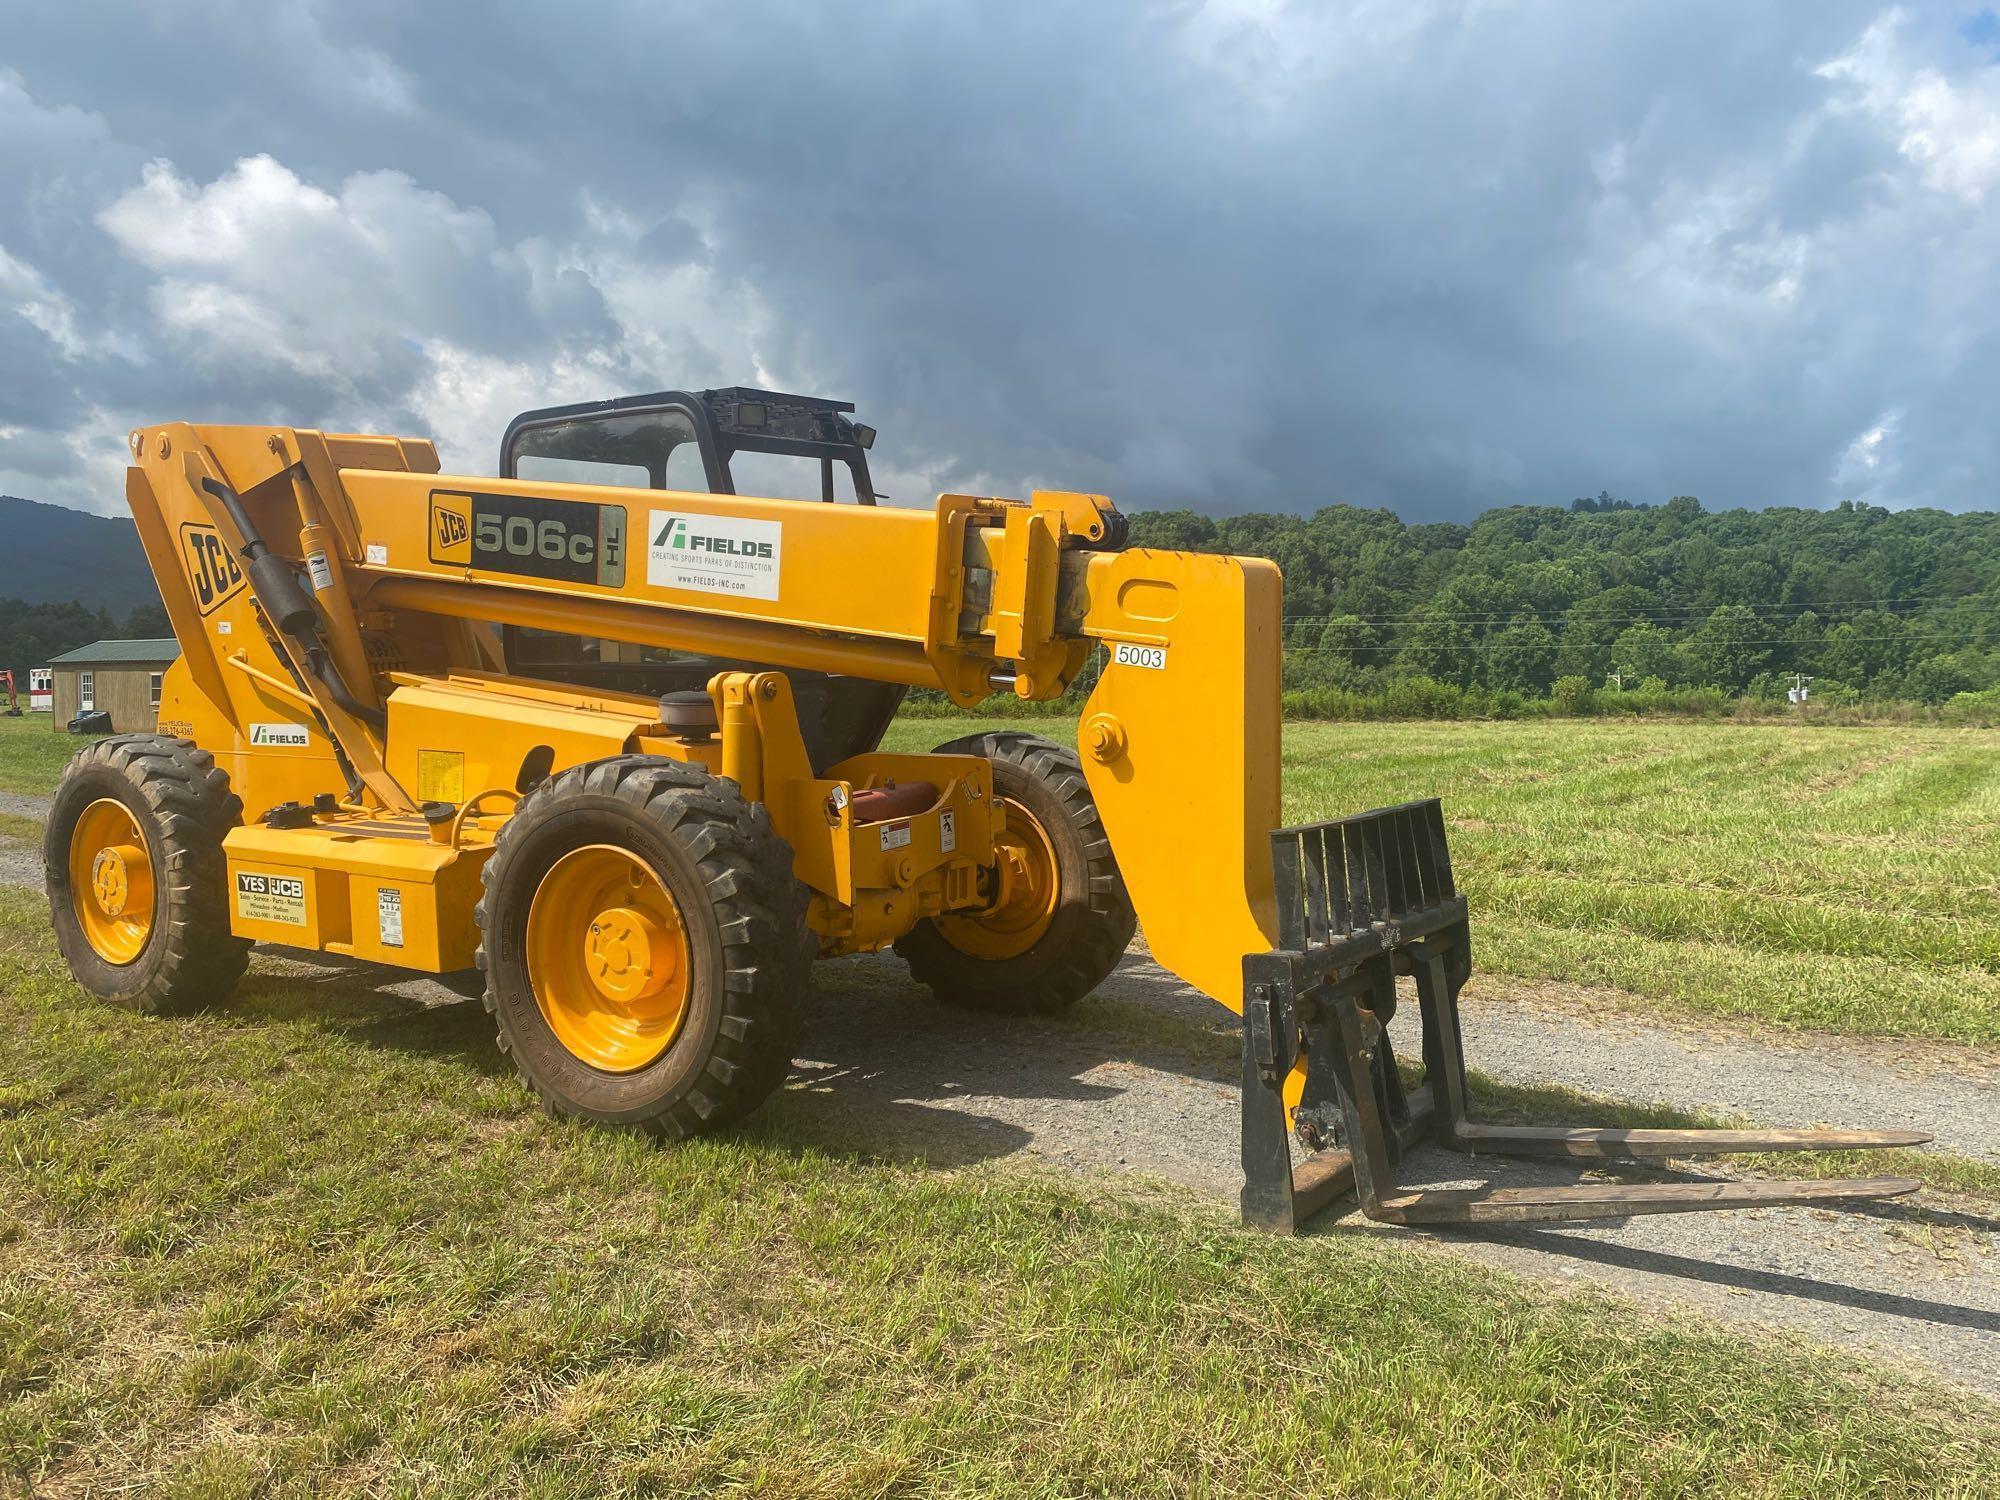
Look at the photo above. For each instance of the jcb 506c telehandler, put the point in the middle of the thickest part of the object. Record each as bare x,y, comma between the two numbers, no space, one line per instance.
598,740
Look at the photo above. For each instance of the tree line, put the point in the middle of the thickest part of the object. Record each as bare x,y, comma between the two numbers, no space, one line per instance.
1604,595
30,634
1542,603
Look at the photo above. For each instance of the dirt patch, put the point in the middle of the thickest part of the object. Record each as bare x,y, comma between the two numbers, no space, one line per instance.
24,804
21,858
1139,1083
20,863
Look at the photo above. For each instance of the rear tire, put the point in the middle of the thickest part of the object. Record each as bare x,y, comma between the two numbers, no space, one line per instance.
1033,962
707,884
148,930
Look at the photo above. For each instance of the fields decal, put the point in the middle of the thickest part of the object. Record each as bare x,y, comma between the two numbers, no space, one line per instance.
714,554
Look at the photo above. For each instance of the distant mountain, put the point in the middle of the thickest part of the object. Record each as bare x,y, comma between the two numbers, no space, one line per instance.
49,555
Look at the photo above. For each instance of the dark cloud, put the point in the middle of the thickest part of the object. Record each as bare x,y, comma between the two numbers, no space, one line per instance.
1434,256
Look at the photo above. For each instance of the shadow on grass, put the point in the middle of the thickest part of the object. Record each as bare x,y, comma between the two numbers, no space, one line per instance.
843,1098
1781,1283
1504,1103
888,1075
374,1005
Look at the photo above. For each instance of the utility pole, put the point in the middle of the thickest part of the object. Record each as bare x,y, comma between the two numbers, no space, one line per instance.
1798,692
1617,681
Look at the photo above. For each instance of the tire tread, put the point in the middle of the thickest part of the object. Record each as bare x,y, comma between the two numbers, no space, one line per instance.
760,908
1101,940
190,799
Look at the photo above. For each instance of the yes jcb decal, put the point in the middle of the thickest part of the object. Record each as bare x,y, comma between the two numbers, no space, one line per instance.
212,568
268,897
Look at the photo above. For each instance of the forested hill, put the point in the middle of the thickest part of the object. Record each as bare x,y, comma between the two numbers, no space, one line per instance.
67,579
52,555
1869,602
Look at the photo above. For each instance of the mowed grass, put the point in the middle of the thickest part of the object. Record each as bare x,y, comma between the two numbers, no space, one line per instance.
21,827
320,1242
33,752
1834,879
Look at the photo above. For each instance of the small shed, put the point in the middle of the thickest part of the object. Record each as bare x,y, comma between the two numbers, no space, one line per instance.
120,677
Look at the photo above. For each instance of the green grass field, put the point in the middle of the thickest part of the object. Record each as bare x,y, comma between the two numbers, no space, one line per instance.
1836,879
32,753
319,1241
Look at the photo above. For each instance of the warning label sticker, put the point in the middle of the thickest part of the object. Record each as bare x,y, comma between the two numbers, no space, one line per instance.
441,775
389,916
714,554
895,835
271,898
948,830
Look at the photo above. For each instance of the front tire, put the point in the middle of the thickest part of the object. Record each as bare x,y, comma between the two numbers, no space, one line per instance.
1063,919
645,946
136,876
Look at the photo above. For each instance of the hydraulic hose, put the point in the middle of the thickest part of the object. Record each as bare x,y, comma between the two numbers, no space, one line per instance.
290,607
324,673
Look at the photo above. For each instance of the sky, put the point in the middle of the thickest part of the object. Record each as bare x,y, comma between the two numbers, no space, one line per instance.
1435,255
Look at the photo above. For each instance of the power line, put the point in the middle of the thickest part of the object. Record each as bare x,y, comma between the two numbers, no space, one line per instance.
1482,647
1608,640
1675,613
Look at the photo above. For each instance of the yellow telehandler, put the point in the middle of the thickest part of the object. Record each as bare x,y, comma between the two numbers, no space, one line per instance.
598,740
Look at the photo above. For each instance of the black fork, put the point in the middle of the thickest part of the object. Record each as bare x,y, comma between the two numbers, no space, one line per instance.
1361,900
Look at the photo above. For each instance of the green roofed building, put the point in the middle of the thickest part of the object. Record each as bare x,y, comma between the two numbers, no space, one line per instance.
121,678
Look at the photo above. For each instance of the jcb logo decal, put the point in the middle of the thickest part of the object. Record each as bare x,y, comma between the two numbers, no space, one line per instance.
451,528
212,569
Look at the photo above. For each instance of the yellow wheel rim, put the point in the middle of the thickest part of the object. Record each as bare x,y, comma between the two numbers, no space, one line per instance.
608,958
111,881
1025,903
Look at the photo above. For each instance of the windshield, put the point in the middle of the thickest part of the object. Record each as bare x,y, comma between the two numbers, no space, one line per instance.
661,448
646,450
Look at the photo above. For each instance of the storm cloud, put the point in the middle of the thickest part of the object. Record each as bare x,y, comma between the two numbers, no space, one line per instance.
1243,255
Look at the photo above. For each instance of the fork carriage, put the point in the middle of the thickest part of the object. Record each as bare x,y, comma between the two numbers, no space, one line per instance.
1361,901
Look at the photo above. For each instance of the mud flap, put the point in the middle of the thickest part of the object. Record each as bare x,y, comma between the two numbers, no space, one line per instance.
1361,901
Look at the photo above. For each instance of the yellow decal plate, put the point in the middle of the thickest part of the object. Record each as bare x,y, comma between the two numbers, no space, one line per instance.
441,775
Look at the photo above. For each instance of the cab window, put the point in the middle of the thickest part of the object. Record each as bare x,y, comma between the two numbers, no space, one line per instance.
643,450
791,476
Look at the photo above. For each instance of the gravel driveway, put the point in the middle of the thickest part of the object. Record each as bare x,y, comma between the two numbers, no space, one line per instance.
20,860
1140,1080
